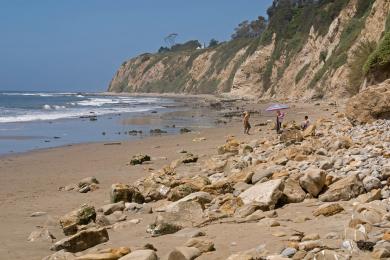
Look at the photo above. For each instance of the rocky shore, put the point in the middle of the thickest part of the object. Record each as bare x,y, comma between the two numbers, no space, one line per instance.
321,193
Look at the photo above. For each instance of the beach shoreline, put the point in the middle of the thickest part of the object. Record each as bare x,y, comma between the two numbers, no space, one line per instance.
34,178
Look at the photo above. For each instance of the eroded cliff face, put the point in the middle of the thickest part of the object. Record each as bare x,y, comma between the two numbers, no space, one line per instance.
252,68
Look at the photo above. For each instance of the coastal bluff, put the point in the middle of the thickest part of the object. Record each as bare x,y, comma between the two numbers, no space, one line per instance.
306,51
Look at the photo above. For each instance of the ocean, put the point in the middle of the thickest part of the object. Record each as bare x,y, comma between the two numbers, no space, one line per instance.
35,120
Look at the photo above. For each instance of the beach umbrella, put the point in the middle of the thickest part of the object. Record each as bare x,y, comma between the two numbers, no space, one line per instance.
275,107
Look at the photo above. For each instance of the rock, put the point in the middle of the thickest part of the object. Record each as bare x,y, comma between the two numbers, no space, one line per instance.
189,158
370,104
309,131
183,214
232,146
309,237
81,216
329,255
380,253
240,187
181,191
261,173
126,193
250,208
60,255
267,193
106,254
140,255
313,181
41,234
38,214
365,245
293,191
288,252
291,136
139,159
219,187
200,197
82,240
110,208
87,181
370,196
240,257
344,189
371,183
204,245
309,245
189,233
328,210
184,253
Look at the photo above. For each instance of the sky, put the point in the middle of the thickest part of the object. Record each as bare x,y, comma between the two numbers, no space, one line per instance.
77,45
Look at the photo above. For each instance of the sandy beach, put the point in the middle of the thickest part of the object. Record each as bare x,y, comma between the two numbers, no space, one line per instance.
31,184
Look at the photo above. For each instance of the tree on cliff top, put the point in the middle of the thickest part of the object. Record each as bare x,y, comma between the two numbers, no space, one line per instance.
251,29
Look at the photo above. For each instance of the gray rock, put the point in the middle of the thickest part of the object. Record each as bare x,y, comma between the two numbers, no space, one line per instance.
267,193
371,183
82,240
264,173
288,252
110,208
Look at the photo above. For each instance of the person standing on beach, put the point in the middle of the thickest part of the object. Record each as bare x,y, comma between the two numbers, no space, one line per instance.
247,125
279,121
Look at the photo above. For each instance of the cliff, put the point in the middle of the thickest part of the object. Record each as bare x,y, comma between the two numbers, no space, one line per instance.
312,49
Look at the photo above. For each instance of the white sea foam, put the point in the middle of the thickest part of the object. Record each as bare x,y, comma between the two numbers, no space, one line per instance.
68,113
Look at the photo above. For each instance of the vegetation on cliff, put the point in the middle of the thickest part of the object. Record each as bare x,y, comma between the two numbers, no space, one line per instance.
288,43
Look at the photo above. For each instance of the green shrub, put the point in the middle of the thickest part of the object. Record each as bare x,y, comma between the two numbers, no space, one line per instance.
380,57
359,58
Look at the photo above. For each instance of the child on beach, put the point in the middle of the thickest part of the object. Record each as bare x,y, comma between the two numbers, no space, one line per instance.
305,124
247,125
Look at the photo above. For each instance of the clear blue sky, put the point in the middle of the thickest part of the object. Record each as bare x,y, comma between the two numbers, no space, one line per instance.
77,45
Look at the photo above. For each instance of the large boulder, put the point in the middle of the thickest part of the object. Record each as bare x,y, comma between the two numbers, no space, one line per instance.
293,192
126,193
82,240
81,216
344,189
182,214
313,181
371,104
291,136
267,193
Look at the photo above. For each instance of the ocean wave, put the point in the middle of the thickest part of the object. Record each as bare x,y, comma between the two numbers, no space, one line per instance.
40,94
70,113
